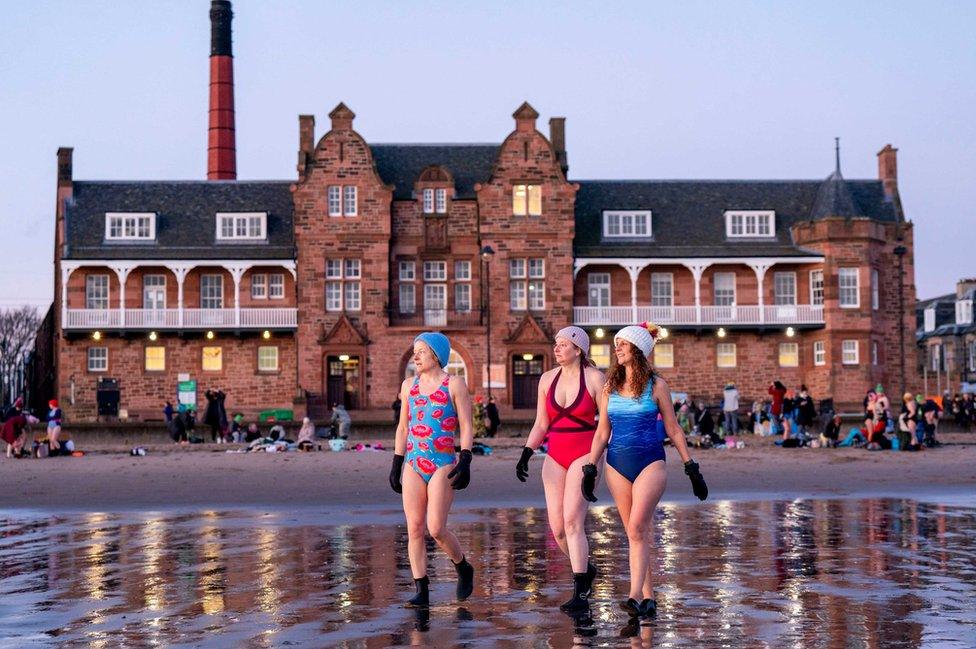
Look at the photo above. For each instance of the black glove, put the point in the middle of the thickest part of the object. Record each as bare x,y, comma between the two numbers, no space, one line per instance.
461,471
395,473
522,468
589,482
697,481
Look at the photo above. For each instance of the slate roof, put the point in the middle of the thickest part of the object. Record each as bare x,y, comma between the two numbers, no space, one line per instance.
688,216
185,219
834,199
401,164
945,316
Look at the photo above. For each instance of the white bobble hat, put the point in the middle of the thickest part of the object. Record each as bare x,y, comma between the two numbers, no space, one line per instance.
641,336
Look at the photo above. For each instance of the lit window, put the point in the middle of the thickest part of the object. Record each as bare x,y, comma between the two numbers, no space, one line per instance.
725,354
435,271
664,355
441,203
789,354
259,286
662,289
155,359
98,359
600,355
527,200
627,225
784,288
816,287
335,200
428,201
408,271
241,226
849,293
750,223
598,289
819,353
136,226
849,352
267,359
96,292
213,360
349,200
276,286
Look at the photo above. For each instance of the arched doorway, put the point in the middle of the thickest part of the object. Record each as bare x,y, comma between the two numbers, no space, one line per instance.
455,367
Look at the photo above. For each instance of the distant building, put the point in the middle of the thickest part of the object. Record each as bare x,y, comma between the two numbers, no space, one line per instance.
946,337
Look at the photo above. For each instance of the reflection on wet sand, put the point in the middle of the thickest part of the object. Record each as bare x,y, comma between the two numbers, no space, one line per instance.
819,573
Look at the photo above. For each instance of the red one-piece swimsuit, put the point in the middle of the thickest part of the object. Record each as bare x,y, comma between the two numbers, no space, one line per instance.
571,429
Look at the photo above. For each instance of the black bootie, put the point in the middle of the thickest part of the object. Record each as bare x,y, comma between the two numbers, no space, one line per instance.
581,594
422,598
465,582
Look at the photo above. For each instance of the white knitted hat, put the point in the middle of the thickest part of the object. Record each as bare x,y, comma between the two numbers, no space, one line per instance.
576,336
641,336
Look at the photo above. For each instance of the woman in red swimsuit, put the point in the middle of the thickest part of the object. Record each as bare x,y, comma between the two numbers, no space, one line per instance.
566,412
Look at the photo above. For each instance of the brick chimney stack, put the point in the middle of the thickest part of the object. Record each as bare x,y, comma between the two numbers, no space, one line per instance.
888,175
221,146
557,136
306,142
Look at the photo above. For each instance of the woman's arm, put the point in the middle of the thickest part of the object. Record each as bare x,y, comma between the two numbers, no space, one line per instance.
662,395
462,404
541,425
602,436
400,441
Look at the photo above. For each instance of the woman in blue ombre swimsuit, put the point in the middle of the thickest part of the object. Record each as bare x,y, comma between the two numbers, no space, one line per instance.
633,398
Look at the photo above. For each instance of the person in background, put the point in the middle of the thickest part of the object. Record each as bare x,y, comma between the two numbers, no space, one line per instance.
177,428
806,410
210,415
341,420
237,433
168,411
778,392
306,435
730,409
494,421
222,416
907,424
930,421
16,409
14,431
53,426
397,404
831,432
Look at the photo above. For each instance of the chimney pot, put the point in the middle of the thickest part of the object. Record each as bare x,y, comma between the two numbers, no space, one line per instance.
557,136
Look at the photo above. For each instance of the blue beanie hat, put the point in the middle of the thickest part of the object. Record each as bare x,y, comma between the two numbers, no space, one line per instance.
439,343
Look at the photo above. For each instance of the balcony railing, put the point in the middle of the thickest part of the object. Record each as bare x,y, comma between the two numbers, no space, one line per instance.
276,318
705,315
436,318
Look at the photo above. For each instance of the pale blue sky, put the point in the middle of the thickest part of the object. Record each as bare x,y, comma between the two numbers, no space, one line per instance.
649,90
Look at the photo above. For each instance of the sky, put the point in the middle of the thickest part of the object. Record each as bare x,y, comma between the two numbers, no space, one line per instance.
752,90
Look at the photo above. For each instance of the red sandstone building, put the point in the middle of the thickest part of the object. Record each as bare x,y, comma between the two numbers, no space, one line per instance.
299,293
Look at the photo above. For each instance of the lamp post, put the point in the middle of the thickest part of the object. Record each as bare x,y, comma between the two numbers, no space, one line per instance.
900,253
486,255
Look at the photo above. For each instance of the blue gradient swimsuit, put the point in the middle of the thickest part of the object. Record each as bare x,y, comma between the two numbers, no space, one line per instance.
636,438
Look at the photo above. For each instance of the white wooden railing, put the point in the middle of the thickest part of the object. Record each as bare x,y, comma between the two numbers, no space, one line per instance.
170,318
691,315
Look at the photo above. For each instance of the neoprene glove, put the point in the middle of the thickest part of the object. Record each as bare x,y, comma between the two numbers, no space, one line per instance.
589,482
395,473
522,468
461,471
697,481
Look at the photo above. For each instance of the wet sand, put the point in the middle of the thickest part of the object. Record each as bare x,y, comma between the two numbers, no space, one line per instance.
108,479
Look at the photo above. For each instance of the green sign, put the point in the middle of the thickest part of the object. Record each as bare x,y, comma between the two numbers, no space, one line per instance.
186,395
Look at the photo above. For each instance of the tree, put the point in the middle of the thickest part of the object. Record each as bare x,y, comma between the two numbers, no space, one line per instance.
18,327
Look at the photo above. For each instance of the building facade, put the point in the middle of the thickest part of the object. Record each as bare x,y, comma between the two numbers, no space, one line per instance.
946,337
306,292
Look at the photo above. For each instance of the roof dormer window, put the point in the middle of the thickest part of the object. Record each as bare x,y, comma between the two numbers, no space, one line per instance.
130,226
435,201
627,225
242,226
929,319
750,224
964,312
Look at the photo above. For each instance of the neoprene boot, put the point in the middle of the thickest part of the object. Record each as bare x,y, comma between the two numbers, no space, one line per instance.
422,598
581,594
465,582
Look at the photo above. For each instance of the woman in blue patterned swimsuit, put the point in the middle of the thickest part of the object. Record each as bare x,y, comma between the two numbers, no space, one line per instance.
633,398
438,406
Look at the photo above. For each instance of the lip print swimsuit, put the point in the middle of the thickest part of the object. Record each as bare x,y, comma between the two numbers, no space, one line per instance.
571,429
636,440
430,429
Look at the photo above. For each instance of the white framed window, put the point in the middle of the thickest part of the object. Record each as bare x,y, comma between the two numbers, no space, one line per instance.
241,226
627,224
333,269
971,355
212,359
875,290
516,268
349,207
428,201
333,296
343,291
929,317
96,292
130,226
664,355
335,200
352,269
462,271
724,289
407,271
435,299
527,200
435,271
537,295
440,202
153,292
964,312
850,295
408,298
600,355
598,289
517,296
819,353
537,268
789,354
750,223
816,287
155,359
662,289
874,352
276,286
936,357
98,359
352,295
211,292
725,355
849,352
462,297
268,359
784,288
259,286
